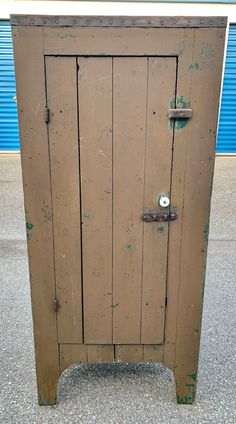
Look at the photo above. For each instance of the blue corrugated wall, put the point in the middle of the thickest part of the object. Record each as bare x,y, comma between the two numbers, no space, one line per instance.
226,142
9,137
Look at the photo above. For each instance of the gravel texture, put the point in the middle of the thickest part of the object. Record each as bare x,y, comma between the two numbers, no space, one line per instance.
119,393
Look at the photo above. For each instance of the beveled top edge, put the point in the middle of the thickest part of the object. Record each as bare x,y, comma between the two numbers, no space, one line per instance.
120,21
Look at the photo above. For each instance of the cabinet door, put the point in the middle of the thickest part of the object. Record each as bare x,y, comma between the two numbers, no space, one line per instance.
126,155
110,146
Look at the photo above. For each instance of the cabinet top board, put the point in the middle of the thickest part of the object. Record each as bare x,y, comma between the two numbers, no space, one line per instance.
120,21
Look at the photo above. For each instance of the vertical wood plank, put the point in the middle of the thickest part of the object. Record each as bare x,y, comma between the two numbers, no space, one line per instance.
129,118
159,137
61,75
208,53
95,111
30,79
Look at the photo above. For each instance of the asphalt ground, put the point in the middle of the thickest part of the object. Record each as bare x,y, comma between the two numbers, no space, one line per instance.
119,393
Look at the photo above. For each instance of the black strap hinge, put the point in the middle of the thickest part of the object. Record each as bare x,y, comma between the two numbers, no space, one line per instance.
46,115
56,305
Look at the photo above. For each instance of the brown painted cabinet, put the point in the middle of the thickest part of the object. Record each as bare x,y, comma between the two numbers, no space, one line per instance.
118,119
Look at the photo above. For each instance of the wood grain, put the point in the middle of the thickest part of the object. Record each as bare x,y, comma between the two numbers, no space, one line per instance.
95,115
208,53
30,79
64,157
129,120
161,89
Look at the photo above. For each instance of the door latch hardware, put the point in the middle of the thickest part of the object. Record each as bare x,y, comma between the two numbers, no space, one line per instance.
159,217
180,113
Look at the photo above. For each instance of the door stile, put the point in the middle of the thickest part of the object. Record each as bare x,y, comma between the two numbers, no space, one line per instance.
159,152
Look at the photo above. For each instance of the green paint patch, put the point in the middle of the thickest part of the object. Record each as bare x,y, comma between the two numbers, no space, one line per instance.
128,247
193,376
194,66
196,331
179,103
109,293
114,305
161,229
86,216
206,232
29,226
185,400
64,36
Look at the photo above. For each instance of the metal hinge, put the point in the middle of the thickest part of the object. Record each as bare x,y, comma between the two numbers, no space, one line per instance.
46,115
56,305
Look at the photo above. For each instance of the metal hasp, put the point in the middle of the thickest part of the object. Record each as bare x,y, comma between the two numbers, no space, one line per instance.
180,113
159,217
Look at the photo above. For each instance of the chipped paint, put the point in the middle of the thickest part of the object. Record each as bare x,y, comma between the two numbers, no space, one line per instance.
86,216
206,232
193,376
161,229
128,247
114,305
29,226
194,66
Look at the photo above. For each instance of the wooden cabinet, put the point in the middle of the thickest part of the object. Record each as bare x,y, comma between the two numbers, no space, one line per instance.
118,119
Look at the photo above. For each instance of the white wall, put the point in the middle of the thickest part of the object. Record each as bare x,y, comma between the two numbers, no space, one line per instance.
115,8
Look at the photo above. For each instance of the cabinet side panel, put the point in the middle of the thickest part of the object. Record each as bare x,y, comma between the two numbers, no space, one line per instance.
29,64
206,70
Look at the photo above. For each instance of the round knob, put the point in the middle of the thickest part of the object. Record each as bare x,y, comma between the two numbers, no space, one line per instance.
164,201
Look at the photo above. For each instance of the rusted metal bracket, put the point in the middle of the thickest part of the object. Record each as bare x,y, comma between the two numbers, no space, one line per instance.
180,113
159,217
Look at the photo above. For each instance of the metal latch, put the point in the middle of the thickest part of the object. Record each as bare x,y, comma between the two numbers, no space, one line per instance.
180,113
159,217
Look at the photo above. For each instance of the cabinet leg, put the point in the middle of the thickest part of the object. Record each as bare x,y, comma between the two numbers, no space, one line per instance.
47,391
186,386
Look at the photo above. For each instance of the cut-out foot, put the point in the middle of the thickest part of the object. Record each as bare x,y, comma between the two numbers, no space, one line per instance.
186,386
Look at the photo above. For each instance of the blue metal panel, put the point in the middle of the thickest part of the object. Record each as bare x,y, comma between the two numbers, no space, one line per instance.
226,142
9,136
